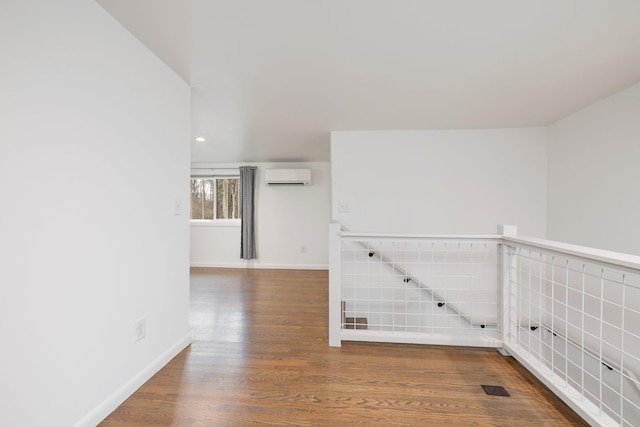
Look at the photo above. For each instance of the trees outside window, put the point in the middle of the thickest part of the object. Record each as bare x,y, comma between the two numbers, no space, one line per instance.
215,198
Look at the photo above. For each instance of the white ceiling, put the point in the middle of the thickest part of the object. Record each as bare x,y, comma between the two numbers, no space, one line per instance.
272,78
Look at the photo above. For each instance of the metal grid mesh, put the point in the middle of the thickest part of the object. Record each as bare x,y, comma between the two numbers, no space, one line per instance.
438,287
579,323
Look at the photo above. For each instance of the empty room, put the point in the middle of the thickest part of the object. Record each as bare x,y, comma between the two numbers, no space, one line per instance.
336,212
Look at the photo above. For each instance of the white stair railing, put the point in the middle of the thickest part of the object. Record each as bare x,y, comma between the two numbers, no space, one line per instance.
569,314
577,315
412,280
416,288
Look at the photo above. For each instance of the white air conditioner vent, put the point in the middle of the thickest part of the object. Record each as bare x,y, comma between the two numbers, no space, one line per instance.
288,176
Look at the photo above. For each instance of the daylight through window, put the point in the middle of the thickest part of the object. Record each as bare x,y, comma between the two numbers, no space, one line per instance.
214,198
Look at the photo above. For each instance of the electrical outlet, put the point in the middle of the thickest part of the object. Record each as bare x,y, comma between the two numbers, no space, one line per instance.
303,249
344,206
141,328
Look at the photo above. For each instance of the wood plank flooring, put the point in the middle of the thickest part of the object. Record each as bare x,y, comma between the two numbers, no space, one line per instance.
260,357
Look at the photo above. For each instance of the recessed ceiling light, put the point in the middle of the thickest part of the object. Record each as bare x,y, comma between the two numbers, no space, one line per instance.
200,139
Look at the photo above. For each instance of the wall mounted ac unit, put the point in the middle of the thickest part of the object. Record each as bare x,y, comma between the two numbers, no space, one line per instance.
287,176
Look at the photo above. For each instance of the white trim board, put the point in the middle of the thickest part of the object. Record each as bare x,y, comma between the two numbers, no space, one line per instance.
252,265
99,413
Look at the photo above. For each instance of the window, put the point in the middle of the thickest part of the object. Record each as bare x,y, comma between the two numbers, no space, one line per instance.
215,198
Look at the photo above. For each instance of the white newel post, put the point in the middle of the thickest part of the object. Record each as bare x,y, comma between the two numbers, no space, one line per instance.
508,295
335,284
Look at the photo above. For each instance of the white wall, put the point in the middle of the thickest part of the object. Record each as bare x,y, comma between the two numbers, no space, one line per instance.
287,218
594,175
94,149
449,181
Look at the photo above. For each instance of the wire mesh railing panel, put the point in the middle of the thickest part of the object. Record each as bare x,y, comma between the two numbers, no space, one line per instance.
570,314
428,287
578,322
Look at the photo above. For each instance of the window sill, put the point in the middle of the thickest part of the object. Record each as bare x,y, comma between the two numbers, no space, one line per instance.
215,223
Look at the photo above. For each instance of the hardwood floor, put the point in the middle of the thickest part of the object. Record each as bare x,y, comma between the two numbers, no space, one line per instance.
260,357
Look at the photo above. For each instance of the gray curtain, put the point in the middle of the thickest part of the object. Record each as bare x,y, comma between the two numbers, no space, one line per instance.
247,227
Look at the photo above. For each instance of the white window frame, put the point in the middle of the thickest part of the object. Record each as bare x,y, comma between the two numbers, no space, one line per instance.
216,222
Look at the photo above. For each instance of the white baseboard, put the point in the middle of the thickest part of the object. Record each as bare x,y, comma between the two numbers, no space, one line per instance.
95,416
258,266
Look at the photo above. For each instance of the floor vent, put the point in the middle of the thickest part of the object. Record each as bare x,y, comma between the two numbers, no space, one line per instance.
495,390
355,323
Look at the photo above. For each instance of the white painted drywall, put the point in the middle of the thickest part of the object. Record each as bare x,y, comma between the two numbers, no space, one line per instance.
288,218
449,181
594,175
94,151
593,187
